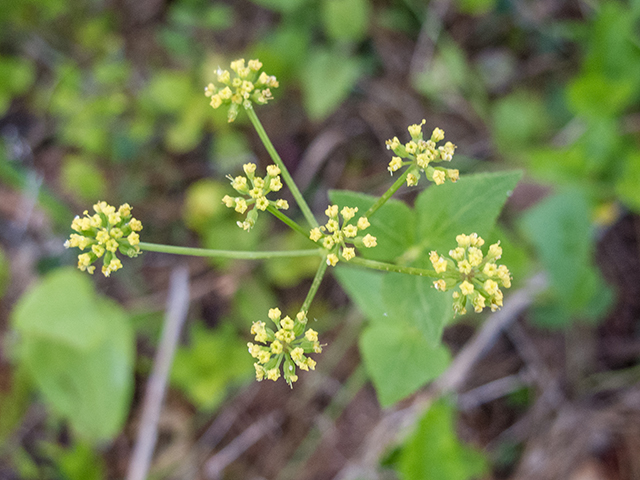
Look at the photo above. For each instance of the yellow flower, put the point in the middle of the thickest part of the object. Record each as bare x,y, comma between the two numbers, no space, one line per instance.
287,323
369,241
244,87
478,303
273,170
260,372
107,232
311,335
495,251
473,265
466,288
475,256
363,223
350,231
114,265
393,143
348,213
491,287
416,130
297,354
439,177
241,205
420,154
348,253
287,349
331,211
315,234
437,135
440,285
453,174
395,164
133,238
438,262
276,347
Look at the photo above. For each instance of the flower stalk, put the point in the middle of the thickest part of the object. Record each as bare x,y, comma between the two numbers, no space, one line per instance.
288,179
239,255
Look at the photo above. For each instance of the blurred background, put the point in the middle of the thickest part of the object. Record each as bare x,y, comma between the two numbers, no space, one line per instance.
104,100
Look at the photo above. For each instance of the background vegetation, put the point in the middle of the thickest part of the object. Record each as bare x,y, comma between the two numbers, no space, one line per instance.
103,100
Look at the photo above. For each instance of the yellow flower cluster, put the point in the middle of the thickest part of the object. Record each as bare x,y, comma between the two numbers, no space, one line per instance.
256,189
285,347
420,154
241,88
476,275
333,237
105,233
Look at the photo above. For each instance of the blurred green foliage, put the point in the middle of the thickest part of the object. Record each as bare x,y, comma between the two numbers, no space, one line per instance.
119,118
78,349
433,451
213,362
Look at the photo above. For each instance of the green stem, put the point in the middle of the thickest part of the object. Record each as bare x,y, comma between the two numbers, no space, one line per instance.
306,211
206,252
387,195
294,225
390,267
317,280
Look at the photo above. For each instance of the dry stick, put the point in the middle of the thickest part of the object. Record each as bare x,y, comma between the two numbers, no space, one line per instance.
396,423
177,307
216,464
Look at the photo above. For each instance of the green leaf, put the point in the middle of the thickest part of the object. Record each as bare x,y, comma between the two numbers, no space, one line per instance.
595,95
560,230
448,73
285,50
80,462
283,6
202,203
412,300
627,184
364,287
82,178
393,224
5,270
476,7
395,298
213,361
400,360
327,79
434,452
253,299
186,132
89,383
61,310
346,19
513,130
14,401
169,91
17,76
470,205
287,272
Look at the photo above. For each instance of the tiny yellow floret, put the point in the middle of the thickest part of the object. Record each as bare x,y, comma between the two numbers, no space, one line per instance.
369,241
466,288
332,259
363,223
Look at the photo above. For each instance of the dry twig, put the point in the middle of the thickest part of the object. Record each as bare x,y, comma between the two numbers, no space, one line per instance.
177,308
